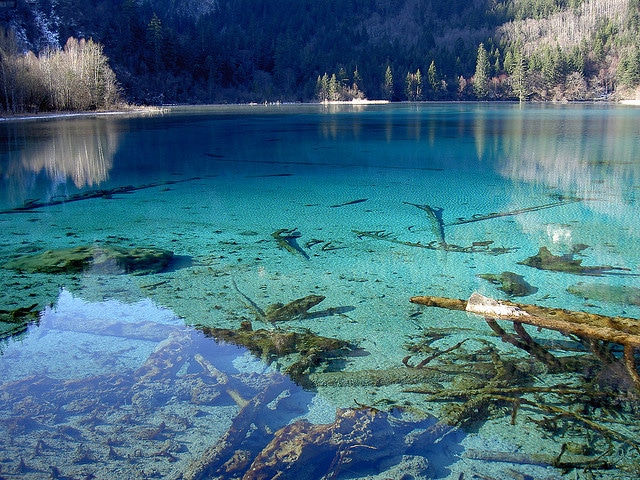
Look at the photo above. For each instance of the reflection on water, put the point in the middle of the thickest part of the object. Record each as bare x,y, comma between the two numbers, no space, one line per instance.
574,153
79,151
574,150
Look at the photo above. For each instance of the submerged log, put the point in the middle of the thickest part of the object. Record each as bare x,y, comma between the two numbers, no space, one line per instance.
213,461
35,203
294,310
297,309
545,260
434,214
510,283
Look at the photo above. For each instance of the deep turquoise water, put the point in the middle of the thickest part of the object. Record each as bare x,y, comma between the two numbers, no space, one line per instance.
356,185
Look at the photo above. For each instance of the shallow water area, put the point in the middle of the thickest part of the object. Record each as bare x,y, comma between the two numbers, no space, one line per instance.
112,388
321,221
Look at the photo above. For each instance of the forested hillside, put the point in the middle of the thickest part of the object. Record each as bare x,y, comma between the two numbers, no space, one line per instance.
190,51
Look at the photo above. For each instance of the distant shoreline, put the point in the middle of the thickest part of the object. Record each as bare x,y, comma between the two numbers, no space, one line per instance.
166,108
355,102
90,113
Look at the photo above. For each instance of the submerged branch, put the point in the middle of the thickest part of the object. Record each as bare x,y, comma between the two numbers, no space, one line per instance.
476,247
34,204
489,216
286,238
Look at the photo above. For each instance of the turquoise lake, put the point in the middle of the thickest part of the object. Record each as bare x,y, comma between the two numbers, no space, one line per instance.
274,334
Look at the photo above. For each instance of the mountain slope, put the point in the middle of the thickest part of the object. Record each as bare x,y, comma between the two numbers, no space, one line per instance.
257,50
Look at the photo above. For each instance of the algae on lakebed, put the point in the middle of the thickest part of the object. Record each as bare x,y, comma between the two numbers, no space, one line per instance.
96,258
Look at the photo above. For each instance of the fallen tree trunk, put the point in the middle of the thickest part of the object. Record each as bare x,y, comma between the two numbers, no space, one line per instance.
620,330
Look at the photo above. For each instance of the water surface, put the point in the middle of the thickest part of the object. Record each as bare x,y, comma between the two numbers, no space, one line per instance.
381,203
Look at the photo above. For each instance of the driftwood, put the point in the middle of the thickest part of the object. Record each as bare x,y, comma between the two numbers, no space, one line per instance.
592,327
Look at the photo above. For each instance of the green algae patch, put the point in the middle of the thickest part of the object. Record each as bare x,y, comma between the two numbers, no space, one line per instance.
545,260
270,345
510,283
95,259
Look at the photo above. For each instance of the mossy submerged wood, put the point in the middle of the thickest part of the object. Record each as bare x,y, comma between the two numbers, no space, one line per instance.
96,258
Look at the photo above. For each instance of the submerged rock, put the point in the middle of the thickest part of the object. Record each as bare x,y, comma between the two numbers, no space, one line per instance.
606,293
94,258
15,321
510,283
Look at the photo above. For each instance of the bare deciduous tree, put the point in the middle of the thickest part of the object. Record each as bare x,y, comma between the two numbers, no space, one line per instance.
75,78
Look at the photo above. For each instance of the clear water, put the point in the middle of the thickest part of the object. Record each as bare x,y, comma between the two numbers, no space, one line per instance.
213,185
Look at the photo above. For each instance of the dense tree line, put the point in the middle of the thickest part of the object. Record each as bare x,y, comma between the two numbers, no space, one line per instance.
301,50
77,77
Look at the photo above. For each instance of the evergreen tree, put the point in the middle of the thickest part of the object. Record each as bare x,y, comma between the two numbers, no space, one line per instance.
413,86
552,67
343,78
432,75
508,63
334,89
322,88
155,38
357,80
518,79
629,68
481,77
388,83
